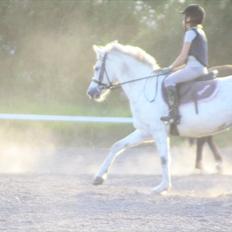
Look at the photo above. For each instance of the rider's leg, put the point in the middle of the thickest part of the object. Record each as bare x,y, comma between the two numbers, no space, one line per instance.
173,116
186,74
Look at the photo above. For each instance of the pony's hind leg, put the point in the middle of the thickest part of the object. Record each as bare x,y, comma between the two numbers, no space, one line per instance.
199,143
133,139
216,154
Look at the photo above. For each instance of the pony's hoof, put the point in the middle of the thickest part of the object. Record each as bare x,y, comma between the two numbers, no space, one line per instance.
199,166
98,180
161,189
219,168
199,171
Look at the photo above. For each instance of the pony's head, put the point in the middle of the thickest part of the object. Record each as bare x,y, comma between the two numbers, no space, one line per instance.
103,77
111,65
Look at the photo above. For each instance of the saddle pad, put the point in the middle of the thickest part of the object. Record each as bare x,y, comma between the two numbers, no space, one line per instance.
196,91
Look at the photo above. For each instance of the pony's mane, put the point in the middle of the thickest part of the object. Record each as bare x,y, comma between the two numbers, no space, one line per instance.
135,52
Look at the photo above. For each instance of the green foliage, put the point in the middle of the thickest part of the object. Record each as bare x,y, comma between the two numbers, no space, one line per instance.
46,46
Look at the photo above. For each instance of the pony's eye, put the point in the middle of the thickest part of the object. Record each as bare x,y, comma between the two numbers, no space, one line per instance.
96,68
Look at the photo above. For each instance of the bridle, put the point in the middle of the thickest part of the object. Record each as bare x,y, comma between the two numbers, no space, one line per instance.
110,85
103,71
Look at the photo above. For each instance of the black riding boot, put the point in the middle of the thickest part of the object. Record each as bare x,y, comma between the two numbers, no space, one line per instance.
174,116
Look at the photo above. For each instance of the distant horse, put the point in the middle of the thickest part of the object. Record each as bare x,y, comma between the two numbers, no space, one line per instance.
222,70
118,65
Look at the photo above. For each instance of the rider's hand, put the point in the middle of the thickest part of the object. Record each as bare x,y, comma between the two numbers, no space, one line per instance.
166,70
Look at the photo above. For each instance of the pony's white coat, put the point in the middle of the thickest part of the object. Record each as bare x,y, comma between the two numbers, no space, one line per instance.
125,63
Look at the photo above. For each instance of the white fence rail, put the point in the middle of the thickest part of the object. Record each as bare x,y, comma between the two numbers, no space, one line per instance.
64,118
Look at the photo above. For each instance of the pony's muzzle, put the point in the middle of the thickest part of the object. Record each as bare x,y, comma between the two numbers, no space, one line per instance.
93,92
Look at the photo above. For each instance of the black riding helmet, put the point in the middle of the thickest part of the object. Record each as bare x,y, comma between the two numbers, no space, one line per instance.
195,12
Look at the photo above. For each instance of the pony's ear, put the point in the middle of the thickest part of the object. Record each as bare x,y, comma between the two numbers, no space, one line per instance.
95,48
98,50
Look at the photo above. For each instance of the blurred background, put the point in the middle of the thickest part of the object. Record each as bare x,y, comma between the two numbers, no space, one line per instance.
47,59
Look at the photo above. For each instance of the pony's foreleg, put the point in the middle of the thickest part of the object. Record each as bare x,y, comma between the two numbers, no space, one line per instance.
133,139
216,153
162,143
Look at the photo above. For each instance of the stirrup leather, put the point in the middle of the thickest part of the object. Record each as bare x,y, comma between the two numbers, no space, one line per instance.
171,118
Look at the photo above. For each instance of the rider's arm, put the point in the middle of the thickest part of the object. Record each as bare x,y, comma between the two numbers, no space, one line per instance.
190,35
181,59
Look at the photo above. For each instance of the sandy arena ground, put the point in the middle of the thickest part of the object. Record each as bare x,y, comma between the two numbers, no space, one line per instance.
51,191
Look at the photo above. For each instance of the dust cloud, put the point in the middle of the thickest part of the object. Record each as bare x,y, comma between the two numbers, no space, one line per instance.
25,151
38,150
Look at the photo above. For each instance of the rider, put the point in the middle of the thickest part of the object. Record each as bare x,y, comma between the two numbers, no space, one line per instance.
194,57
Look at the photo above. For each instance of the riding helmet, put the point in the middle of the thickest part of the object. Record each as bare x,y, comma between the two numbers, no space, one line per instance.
195,12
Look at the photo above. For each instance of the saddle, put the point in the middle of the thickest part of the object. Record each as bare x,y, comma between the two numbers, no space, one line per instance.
194,91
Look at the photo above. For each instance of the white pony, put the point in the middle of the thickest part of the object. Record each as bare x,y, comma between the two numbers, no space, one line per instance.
130,67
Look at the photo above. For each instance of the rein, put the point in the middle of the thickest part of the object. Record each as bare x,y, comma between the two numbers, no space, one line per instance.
114,86
110,85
